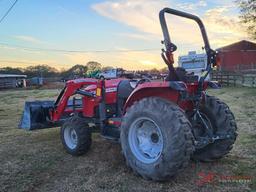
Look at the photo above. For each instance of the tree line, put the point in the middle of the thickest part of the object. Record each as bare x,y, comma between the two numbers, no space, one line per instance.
75,71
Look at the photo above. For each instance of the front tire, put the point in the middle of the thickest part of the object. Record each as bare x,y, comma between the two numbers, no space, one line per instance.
76,136
156,138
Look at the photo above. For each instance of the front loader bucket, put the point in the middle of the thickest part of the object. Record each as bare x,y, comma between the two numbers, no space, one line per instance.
36,115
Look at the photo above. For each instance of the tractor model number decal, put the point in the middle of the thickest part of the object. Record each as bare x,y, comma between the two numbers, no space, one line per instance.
110,90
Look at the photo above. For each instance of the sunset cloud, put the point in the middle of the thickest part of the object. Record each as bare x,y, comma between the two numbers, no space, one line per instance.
140,14
223,27
126,25
192,6
28,62
127,60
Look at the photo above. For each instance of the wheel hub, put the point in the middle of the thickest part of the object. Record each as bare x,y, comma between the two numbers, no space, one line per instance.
154,137
70,137
145,140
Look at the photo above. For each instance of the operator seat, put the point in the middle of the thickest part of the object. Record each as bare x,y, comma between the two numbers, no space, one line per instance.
182,75
178,73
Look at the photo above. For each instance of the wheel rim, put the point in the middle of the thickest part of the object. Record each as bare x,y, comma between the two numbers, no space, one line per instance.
145,140
70,137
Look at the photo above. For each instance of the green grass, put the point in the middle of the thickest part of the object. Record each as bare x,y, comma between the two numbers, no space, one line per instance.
36,161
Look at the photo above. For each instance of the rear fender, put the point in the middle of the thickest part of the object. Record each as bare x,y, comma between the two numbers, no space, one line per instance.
166,90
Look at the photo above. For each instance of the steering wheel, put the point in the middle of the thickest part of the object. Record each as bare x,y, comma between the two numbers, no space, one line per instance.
141,81
134,83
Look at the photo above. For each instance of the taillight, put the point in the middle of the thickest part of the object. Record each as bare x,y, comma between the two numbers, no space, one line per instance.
218,61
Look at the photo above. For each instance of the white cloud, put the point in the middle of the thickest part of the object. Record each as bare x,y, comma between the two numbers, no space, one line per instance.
140,14
29,39
192,6
143,16
223,27
221,23
27,62
25,50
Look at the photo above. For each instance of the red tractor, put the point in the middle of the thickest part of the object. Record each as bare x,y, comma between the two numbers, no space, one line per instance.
160,125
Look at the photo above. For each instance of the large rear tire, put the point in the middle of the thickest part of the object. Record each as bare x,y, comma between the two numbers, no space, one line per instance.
222,121
156,138
76,136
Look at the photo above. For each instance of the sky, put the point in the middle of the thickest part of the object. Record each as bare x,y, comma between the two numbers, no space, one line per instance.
62,33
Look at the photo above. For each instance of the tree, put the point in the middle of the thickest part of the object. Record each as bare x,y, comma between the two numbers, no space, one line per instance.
164,70
93,66
106,68
10,70
74,72
41,71
248,15
154,71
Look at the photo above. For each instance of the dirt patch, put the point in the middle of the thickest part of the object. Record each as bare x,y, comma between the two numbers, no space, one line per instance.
36,161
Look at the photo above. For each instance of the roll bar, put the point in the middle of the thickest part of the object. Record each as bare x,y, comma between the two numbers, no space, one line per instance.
167,39
170,47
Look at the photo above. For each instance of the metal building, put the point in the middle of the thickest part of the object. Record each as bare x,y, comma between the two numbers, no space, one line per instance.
240,56
12,81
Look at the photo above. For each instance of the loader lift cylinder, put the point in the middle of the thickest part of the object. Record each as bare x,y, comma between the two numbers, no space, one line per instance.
102,108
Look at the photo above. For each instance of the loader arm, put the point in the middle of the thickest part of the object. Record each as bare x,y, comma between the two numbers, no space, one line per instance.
47,114
72,87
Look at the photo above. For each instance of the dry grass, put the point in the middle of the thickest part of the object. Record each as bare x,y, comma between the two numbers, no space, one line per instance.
36,161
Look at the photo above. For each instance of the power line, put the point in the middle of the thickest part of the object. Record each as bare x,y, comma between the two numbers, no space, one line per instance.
8,11
80,51
21,62
76,51
33,63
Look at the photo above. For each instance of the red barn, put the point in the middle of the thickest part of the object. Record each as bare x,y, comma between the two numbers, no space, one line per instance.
240,56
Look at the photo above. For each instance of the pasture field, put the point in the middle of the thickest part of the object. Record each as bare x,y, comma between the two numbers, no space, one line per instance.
36,161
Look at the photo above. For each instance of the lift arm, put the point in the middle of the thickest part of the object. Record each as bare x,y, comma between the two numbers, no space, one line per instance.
72,87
